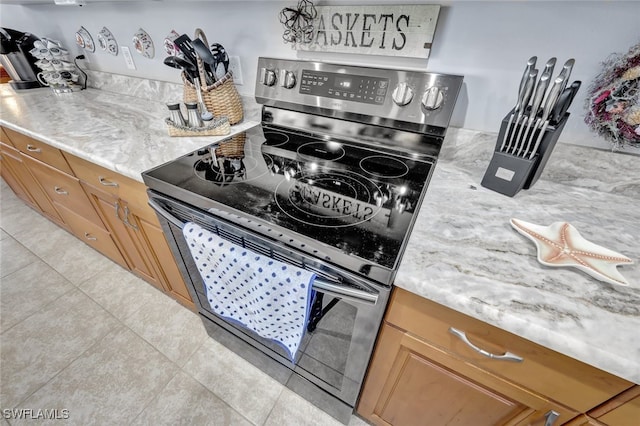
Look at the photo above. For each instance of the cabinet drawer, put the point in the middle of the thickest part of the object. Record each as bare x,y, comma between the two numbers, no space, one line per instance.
93,235
106,180
63,189
564,379
4,138
39,150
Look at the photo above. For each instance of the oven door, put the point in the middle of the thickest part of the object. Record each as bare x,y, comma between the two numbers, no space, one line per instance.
335,351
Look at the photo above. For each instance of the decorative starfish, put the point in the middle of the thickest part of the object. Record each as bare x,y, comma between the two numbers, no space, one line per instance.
560,244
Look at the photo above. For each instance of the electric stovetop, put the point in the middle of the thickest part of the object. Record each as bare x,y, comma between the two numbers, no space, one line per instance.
356,199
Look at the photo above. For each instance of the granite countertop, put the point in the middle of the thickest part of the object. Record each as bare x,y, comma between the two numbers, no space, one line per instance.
463,252
119,132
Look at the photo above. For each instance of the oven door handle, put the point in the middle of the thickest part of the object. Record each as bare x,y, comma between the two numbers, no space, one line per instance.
344,292
318,284
165,214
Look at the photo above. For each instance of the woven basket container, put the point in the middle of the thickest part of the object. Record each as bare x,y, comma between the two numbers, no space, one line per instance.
219,126
232,147
220,98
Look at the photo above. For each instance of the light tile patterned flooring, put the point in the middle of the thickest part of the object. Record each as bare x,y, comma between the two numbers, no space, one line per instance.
79,333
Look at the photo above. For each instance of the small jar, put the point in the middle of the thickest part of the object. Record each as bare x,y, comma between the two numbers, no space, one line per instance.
175,115
193,115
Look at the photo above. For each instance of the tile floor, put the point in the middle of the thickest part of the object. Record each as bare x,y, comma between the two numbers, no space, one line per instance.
79,333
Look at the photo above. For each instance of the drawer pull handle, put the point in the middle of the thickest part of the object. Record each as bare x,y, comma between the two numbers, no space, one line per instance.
60,191
550,418
507,356
89,237
32,148
106,182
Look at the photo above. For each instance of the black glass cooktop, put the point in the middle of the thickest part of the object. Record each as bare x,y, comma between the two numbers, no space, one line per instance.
350,197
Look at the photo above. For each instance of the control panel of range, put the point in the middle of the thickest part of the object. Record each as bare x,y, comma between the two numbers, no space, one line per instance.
412,96
356,88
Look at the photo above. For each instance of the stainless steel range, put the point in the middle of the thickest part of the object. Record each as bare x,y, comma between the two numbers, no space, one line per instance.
331,181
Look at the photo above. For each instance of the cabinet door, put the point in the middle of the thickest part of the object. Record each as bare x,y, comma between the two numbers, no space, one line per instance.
115,213
158,250
18,177
623,410
9,170
411,382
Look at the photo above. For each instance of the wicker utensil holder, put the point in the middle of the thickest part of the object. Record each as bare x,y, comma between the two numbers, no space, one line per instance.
220,98
232,147
219,126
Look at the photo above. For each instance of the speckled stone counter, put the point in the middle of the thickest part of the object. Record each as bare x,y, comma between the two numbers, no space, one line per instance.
463,253
122,133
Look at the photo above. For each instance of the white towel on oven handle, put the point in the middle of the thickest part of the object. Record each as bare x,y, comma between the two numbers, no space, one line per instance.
271,298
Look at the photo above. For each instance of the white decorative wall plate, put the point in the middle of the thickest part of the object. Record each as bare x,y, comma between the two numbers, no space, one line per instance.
84,39
107,41
143,44
560,244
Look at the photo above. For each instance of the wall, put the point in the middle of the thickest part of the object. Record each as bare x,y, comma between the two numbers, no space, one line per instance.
487,42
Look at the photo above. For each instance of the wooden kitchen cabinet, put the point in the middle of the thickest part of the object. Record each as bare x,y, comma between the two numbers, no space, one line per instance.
421,373
122,205
10,167
17,175
622,410
104,209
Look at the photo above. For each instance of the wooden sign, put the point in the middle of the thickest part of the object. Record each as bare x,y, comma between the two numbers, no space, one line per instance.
392,30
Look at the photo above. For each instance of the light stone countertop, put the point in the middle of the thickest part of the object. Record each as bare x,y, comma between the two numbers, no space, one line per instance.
463,252
119,132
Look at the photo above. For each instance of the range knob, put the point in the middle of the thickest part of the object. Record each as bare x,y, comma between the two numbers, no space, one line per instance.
402,94
432,98
287,79
267,77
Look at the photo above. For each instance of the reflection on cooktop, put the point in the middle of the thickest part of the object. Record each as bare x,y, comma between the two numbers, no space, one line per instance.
334,199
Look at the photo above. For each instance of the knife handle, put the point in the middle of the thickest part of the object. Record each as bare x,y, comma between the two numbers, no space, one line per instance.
564,102
552,97
550,65
566,71
531,63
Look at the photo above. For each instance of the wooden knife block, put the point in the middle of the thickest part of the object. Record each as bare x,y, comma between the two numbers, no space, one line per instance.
508,173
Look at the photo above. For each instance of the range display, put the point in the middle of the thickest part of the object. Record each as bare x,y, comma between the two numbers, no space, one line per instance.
364,89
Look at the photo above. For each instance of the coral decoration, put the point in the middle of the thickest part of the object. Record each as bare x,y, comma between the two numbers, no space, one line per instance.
613,103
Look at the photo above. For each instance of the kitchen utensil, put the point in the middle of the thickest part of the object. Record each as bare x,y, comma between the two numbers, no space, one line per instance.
550,65
530,64
564,102
188,67
543,121
185,45
566,72
206,115
522,104
222,58
541,89
207,57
